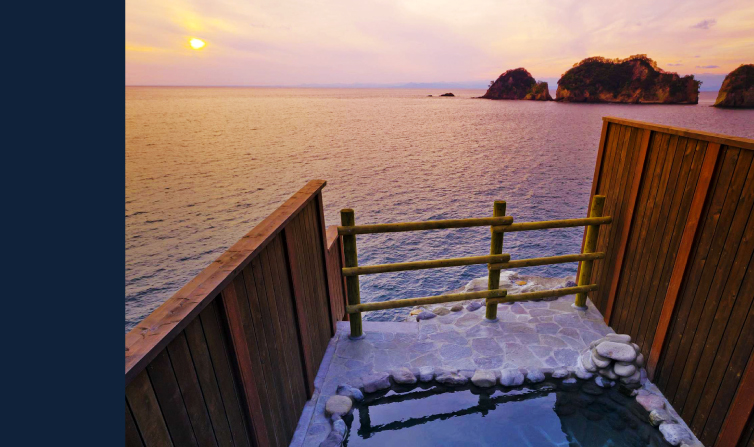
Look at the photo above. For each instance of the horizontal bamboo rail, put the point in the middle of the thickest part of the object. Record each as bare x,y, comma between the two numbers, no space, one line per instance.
532,262
543,294
428,225
420,265
550,224
437,299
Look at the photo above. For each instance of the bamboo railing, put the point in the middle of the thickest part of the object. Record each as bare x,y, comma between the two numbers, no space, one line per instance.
499,224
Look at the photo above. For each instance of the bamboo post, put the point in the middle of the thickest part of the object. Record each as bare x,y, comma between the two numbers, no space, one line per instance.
496,248
590,245
347,219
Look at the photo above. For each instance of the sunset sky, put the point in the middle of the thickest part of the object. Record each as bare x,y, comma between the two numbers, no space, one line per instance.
293,42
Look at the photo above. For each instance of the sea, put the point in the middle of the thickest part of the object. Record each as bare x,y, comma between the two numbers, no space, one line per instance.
205,165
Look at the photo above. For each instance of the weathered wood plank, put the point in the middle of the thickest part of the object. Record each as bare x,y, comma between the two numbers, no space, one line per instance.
294,272
133,438
225,367
705,187
663,201
261,344
205,373
281,389
628,151
319,220
679,214
319,281
633,301
622,298
725,377
146,412
720,299
152,334
716,264
162,376
185,374
287,321
247,357
627,222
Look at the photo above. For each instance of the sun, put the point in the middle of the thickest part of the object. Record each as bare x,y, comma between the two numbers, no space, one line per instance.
197,44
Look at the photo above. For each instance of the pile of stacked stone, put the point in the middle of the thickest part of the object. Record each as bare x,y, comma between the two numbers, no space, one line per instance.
613,358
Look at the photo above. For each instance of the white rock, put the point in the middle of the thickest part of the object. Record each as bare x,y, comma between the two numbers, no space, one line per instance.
376,382
586,361
674,433
511,377
618,338
624,369
560,373
651,402
404,376
535,376
426,373
632,380
636,348
483,378
616,351
657,417
608,372
639,360
582,373
451,378
599,361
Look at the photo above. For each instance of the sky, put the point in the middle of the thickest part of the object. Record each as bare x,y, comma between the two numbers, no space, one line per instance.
295,42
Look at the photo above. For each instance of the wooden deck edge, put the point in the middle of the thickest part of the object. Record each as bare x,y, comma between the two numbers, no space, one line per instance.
726,140
159,328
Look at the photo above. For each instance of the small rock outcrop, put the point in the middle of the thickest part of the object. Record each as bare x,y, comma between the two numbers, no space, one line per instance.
518,84
613,357
634,80
447,94
738,88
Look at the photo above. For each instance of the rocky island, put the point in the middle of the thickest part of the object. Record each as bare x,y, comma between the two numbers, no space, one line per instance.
518,84
634,80
738,88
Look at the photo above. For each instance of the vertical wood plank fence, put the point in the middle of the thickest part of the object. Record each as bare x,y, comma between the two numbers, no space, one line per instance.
680,267
230,359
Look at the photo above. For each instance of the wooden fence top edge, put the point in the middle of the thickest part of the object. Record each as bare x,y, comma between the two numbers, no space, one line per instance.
154,332
727,140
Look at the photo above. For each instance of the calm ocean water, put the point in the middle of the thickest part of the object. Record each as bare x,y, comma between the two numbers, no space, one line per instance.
204,165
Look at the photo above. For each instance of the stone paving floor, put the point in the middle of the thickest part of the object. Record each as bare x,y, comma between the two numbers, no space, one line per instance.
527,335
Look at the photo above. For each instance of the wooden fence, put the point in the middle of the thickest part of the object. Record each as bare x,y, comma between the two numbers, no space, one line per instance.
680,268
230,359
